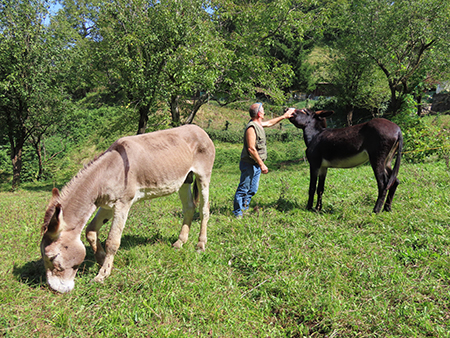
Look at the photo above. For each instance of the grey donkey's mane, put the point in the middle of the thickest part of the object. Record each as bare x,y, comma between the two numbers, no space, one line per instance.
56,200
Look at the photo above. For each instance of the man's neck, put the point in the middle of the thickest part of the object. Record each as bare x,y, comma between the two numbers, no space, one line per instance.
258,120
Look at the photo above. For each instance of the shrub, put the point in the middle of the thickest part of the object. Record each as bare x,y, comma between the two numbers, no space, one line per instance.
229,136
272,135
422,140
226,156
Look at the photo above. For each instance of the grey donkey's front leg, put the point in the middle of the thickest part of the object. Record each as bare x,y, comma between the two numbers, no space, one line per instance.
113,242
103,215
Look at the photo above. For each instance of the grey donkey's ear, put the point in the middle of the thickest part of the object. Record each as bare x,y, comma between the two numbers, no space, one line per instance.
55,221
55,193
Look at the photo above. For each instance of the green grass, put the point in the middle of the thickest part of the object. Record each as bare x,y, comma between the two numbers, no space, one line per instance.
280,272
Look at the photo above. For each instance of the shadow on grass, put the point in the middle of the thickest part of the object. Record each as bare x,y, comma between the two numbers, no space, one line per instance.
221,209
287,164
31,273
129,241
284,205
281,204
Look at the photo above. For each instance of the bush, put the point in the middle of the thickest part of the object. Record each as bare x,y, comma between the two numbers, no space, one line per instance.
422,140
226,156
272,135
283,135
5,162
229,136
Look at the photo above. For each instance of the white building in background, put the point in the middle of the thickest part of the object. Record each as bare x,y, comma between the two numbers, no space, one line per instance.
443,87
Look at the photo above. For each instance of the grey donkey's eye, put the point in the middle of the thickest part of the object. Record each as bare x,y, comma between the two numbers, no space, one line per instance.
51,259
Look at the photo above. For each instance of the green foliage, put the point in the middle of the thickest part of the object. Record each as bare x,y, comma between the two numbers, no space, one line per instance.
32,57
356,82
226,156
280,153
422,141
406,52
272,135
230,136
282,134
84,134
252,31
5,161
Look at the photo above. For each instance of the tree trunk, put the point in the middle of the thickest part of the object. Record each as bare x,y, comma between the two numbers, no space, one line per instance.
419,104
39,154
197,104
143,119
36,141
175,110
16,141
16,159
394,105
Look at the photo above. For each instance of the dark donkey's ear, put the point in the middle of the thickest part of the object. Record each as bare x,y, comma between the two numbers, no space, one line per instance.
324,113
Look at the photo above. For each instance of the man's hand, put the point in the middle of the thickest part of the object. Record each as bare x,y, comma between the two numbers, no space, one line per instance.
289,113
264,169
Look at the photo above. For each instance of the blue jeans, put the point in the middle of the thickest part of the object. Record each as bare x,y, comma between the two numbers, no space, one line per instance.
247,188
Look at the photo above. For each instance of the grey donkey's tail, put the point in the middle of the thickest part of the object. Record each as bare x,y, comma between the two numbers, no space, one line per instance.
196,192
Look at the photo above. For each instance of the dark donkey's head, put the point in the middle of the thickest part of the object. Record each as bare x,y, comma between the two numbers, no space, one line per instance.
307,117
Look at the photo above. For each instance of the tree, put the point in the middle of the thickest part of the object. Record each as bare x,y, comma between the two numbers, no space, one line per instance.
150,48
401,38
255,32
184,53
356,82
30,95
77,19
192,71
295,45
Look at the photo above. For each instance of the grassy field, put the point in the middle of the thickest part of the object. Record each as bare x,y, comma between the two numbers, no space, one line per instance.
279,272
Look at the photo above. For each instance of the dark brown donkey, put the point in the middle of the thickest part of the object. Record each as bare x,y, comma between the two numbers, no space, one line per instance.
375,141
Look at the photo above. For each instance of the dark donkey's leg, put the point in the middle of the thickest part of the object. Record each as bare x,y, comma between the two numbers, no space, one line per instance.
382,179
392,173
321,187
390,197
312,186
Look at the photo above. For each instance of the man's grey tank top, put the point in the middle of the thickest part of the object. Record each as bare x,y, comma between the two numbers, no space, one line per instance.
260,143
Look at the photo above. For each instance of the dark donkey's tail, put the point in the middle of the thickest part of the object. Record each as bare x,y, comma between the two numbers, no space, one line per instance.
394,173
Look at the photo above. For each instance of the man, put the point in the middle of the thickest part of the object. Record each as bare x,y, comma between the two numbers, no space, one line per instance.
253,155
